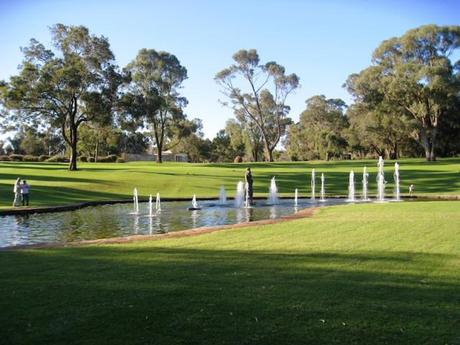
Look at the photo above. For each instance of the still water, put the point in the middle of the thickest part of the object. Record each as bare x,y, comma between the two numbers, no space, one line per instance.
115,220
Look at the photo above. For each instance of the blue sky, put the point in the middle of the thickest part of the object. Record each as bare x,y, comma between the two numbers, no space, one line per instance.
321,41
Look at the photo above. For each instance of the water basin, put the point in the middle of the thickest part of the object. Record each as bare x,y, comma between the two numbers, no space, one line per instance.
115,220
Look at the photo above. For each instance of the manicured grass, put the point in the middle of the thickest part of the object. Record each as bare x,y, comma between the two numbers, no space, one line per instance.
52,184
356,274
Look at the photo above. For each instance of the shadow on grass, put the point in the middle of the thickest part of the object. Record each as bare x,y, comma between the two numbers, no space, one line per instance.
31,178
138,295
330,164
50,195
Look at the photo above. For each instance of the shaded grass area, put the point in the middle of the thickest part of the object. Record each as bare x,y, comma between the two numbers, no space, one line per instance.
52,184
356,274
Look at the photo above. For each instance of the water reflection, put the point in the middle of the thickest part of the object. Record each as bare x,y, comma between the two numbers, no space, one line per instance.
249,214
194,217
136,224
116,220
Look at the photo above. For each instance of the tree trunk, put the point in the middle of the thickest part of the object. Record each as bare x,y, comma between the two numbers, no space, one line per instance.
73,148
430,156
268,151
96,151
159,153
428,142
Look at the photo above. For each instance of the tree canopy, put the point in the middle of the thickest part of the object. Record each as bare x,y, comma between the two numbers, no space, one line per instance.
262,105
414,75
151,94
320,132
63,87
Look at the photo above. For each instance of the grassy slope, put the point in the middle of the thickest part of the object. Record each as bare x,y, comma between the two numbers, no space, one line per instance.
52,184
357,274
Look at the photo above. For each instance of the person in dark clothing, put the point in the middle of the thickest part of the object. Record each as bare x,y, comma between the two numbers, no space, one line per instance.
249,183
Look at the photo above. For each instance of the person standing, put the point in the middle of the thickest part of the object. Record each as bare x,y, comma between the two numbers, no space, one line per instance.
249,183
25,188
17,192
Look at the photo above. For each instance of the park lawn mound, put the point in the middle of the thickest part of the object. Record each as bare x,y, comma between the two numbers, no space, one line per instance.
354,274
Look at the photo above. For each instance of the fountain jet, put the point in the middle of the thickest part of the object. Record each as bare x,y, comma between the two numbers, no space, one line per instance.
351,187
273,192
247,204
296,196
365,183
222,196
195,205
396,178
322,197
239,196
150,206
158,203
135,201
312,184
380,181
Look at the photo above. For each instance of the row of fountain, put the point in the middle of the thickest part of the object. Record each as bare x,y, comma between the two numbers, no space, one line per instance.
242,191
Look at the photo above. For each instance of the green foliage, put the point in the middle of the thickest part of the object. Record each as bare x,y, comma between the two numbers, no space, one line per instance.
245,139
30,158
320,133
381,131
96,140
62,88
151,95
58,159
261,109
16,157
43,158
132,142
413,77
222,149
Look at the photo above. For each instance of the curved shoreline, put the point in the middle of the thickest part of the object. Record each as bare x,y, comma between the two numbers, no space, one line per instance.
71,207
305,213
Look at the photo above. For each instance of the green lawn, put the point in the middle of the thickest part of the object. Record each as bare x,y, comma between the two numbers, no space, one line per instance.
52,184
354,274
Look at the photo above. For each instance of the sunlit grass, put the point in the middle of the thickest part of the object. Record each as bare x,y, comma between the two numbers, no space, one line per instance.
354,274
52,184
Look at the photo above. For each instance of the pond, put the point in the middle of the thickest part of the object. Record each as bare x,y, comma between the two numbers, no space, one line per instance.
116,220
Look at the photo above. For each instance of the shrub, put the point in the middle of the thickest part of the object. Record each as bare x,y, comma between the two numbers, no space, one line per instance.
102,160
58,158
107,159
30,158
91,159
4,158
17,158
120,160
112,158
43,158
238,159
83,159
